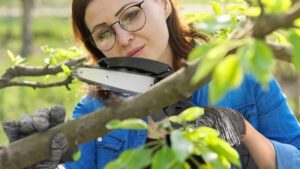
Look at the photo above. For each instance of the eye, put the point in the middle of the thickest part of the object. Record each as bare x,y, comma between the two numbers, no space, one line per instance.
103,34
129,16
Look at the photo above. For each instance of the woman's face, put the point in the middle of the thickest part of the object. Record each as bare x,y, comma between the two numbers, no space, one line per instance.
152,41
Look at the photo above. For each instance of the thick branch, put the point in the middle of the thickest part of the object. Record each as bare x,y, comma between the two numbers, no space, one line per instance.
92,126
266,24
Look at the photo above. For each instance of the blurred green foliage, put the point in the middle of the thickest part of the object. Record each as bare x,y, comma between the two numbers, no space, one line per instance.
55,32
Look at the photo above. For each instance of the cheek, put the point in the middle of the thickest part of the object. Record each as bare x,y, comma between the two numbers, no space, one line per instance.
159,35
112,53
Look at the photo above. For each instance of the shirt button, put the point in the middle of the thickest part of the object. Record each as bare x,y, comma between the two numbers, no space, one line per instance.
99,139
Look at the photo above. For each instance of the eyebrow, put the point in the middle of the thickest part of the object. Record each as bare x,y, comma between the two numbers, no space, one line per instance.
116,14
123,7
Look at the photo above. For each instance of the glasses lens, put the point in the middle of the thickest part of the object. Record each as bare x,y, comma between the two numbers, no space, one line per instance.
133,19
104,38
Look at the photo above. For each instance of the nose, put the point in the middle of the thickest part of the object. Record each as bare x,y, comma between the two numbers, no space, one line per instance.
124,37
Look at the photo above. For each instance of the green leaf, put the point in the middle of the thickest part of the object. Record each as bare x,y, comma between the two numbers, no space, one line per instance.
209,156
276,6
16,60
137,159
187,115
297,22
132,159
252,11
216,7
66,69
280,38
53,61
200,133
76,156
235,7
11,56
294,39
224,149
175,119
228,75
115,164
208,63
19,60
191,114
132,123
200,51
164,159
181,147
257,58
183,165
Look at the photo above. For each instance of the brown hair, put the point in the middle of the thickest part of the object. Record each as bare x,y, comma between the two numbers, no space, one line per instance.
181,39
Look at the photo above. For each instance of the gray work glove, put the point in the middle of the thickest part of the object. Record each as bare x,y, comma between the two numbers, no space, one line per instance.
41,120
228,122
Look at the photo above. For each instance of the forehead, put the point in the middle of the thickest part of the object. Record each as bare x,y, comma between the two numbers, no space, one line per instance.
101,11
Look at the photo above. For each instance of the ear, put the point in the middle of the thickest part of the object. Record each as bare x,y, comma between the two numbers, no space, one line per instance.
167,7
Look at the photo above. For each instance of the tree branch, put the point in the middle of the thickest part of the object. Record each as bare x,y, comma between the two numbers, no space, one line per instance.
262,8
35,85
281,52
266,24
6,79
92,126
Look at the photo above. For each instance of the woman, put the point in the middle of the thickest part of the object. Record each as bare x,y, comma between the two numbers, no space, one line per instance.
152,29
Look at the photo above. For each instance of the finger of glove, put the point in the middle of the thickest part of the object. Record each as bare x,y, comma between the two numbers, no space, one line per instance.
59,146
12,130
57,115
26,125
40,119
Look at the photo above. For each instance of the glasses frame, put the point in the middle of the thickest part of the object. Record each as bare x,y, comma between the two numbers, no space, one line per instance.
139,5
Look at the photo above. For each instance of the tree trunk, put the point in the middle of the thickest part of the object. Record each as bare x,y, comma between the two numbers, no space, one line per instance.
27,34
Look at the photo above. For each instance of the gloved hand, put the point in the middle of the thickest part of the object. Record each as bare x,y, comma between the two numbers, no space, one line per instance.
228,122
41,120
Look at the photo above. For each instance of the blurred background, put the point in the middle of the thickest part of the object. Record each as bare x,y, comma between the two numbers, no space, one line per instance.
27,25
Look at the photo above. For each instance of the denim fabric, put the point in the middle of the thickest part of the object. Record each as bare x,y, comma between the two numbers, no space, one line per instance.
267,111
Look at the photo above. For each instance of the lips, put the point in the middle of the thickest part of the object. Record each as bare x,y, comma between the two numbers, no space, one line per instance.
135,51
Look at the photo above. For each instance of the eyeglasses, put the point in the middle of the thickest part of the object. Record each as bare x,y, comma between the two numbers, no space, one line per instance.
131,19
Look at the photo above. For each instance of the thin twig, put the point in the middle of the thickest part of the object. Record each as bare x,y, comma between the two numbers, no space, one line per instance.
35,85
262,8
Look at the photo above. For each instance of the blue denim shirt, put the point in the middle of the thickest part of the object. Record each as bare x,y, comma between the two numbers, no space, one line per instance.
267,111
